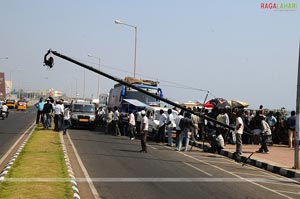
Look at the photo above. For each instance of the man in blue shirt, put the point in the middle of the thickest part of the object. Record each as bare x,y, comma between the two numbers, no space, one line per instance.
40,108
271,120
291,125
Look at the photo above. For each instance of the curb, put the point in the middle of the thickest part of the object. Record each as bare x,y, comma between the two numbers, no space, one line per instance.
12,160
263,165
70,170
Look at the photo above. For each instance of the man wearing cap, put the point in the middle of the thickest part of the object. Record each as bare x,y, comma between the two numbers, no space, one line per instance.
144,131
47,112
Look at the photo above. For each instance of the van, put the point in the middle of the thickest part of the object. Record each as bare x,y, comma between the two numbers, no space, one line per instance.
153,119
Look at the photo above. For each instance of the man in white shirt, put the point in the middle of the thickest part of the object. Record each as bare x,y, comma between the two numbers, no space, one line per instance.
4,109
109,121
131,125
144,131
67,121
58,117
178,129
239,129
170,125
138,122
116,121
162,126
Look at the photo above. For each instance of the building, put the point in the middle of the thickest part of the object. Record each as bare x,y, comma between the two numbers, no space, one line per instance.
2,86
8,87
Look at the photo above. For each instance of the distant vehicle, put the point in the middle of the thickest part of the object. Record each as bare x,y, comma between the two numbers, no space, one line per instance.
154,120
11,103
3,115
83,115
21,106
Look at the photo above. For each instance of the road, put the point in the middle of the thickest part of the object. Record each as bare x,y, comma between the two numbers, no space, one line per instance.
13,127
118,170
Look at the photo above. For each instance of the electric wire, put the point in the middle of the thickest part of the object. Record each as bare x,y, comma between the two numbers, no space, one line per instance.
177,85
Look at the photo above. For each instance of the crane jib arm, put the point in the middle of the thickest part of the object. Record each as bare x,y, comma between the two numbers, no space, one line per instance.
50,61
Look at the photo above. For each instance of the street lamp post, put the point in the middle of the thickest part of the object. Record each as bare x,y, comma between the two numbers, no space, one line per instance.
135,42
98,91
83,84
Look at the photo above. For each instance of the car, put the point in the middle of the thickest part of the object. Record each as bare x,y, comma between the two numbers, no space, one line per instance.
83,115
154,120
11,103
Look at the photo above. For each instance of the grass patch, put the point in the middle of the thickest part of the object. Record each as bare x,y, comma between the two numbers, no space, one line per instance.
41,158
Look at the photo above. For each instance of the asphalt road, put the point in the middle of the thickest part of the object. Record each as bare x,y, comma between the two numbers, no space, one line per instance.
12,127
118,170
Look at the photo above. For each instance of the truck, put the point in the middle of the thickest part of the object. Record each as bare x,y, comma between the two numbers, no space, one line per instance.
128,99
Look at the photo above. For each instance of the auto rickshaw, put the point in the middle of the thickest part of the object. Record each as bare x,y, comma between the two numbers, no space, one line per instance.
11,103
21,105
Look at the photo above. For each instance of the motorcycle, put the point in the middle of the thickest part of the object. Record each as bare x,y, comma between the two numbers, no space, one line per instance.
3,115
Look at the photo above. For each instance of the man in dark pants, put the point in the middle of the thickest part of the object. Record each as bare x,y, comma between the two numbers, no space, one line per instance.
162,126
58,117
40,107
265,133
144,131
47,112
116,119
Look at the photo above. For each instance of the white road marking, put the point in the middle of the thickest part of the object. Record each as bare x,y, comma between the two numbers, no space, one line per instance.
152,147
90,183
198,169
296,193
241,173
15,144
284,184
219,162
254,183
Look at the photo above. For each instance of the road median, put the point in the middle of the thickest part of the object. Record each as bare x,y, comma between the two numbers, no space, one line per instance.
40,169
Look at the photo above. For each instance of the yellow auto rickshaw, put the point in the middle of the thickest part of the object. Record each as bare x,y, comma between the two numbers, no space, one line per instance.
11,103
21,105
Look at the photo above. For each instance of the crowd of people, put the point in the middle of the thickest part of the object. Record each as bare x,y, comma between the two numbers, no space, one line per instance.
48,109
254,127
236,126
133,125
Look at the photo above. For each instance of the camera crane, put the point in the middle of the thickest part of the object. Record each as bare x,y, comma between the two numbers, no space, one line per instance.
49,62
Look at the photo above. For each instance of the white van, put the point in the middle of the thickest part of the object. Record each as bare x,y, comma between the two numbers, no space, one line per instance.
154,120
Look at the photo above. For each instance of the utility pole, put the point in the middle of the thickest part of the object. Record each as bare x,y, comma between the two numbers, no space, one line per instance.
296,160
83,84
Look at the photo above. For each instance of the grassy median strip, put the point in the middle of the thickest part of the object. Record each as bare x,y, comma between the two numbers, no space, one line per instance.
39,171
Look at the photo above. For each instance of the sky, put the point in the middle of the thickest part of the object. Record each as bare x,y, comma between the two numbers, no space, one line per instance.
233,49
